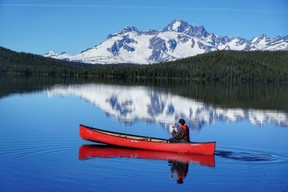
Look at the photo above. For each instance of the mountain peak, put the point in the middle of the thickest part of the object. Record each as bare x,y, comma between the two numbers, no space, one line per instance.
181,26
177,25
50,54
129,29
126,29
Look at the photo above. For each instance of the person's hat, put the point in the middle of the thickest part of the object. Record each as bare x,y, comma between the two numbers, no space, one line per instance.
181,121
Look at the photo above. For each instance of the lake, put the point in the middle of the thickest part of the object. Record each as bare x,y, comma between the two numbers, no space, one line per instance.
41,149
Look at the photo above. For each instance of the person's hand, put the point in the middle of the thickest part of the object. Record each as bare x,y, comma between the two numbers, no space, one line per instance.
171,128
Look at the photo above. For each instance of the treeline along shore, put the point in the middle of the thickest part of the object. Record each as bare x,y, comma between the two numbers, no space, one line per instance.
266,66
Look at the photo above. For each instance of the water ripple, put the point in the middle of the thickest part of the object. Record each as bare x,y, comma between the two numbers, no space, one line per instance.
30,150
247,156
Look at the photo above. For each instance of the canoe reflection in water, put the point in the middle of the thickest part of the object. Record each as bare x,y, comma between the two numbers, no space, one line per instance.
179,162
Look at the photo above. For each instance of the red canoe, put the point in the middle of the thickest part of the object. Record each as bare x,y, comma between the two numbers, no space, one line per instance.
146,143
104,151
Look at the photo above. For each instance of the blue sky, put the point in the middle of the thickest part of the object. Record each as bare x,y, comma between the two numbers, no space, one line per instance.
72,26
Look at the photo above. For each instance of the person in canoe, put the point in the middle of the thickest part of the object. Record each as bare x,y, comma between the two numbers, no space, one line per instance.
182,133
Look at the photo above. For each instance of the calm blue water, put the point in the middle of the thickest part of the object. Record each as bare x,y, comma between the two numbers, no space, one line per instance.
40,141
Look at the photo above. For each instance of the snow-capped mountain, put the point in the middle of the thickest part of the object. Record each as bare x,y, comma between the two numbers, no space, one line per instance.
177,40
62,56
133,103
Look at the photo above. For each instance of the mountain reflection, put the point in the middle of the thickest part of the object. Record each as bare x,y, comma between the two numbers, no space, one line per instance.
131,103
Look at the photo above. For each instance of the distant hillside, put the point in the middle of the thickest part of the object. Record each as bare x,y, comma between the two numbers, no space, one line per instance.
12,62
219,65
233,65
